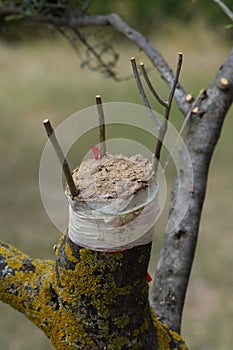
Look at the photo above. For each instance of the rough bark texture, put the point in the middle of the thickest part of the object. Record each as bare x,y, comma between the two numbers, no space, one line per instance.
86,299
178,246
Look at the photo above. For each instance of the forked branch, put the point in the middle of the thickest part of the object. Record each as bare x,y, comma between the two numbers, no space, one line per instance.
143,94
162,128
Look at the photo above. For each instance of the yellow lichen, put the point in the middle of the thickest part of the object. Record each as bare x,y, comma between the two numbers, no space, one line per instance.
136,332
121,321
164,335
141,258
69,254
176,336
119,343
144,326
55,298
87,280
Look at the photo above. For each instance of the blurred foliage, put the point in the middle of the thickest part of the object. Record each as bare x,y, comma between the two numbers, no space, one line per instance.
142,15
33,19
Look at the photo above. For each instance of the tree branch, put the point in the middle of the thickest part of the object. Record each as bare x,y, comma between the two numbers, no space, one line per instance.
178,248
86,300
136,37
224,8
120,26
143,94
163,129
150,86
26,285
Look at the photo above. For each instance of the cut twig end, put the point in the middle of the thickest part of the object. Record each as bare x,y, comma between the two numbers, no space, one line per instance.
223,84
189,98
48,127
98,99
102,136
203,94
195,110
180,56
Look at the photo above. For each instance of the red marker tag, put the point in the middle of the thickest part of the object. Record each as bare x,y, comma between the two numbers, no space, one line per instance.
95,151
148,277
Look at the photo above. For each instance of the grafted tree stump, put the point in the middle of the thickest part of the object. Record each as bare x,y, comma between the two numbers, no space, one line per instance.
91,299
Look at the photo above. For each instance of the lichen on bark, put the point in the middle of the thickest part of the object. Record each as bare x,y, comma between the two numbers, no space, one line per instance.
86,299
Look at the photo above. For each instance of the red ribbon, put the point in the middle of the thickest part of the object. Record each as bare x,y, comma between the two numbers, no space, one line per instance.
148,277
95,150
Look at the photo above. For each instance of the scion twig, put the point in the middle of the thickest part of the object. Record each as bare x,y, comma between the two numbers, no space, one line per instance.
154,92
65,166
102,137
163,129
166,104
142,92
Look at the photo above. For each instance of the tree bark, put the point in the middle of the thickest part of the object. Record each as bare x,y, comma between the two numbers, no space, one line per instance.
178,247
86,299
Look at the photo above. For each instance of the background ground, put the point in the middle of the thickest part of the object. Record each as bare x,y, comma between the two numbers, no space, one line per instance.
44,79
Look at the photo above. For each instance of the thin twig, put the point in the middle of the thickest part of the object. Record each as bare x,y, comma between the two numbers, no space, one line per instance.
154,92
65,166
224,8
142,92
163,129
105,66
102,136
118,24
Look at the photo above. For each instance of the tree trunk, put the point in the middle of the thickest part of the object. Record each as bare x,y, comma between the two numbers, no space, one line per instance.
179,244
86,299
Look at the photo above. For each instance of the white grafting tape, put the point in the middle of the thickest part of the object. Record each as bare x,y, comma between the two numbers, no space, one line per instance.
107,230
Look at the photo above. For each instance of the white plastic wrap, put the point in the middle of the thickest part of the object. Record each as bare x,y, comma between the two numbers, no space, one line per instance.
105,229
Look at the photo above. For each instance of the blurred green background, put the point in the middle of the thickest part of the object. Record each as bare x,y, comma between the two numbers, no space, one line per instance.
43,78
